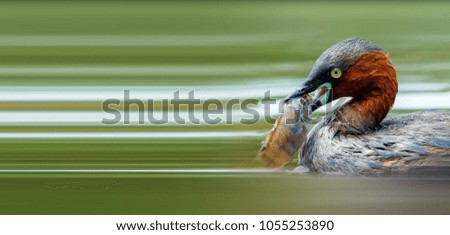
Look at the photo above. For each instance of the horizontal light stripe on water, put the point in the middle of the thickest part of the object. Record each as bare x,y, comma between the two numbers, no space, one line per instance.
151,70
422,101
407,101
134,135
97,93
403,102
162,171
96,117
442,66
184,70
139,40
277,87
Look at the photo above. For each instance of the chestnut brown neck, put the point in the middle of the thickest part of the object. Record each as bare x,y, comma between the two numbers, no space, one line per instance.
372,84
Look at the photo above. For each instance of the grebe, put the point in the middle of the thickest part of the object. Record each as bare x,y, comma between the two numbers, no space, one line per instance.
353,139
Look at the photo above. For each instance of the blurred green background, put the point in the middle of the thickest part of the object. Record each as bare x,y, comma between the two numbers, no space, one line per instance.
78,46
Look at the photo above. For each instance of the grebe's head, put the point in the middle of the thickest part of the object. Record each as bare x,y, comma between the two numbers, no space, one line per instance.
354,68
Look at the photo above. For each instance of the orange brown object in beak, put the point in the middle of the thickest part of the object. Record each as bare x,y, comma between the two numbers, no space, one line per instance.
320,93
288,133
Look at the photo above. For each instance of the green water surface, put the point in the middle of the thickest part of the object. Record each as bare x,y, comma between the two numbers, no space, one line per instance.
199,43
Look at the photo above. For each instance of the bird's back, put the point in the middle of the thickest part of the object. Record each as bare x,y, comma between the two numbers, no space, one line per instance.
414,143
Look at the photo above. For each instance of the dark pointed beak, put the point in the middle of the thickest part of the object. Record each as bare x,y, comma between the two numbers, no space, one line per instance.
310,85
307,87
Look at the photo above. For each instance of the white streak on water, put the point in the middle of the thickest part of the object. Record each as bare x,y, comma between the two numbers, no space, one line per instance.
155,70
170,171
131,135
278,87
423,87
184,70
406,101
143,93
55,118
442,66
412,96
419,101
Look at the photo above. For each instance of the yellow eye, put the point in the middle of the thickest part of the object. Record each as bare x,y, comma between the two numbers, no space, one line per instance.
336,73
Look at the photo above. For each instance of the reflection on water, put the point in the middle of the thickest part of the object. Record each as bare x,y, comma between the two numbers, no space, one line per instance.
411,96
53,81
220,193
